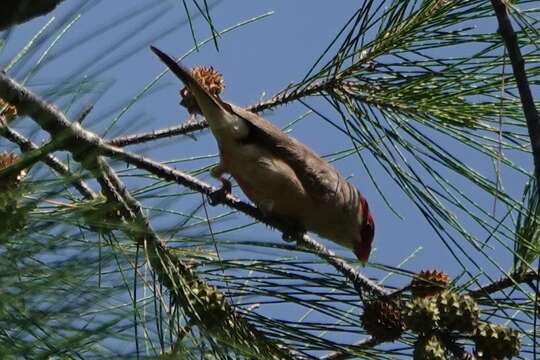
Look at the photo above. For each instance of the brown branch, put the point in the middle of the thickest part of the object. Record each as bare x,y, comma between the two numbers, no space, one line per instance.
188,126
503,283
343,355
186,289
527,102
27,145
291,94
525,94
85,142
360,282
18,11
185,128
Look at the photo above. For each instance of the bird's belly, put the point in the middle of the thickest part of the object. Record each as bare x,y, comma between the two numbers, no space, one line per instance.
274,187
330,222
266,180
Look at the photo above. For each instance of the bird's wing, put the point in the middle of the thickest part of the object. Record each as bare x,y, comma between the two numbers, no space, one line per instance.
320,179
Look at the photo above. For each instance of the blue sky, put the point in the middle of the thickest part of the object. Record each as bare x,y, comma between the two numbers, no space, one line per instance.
256,60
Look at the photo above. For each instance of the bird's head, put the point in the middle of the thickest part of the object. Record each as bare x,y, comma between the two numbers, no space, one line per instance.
366,232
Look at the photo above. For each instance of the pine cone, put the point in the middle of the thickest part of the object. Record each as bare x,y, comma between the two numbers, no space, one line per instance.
13,216
429,283
421,315
429,348
8,111
99,214
206,299
458,312
11,182
382,320
210,79
496,341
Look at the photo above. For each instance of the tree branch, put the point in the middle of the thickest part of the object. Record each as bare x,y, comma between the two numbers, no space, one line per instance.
214,314
343,355
283,97
518,66
527,102
183,129
18,11
27,145
84,142
503,283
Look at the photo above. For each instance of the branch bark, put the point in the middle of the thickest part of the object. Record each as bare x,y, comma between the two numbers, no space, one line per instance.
185,128
26,145
503,283
84,142
518,66
188,126
200,301
19,11
527,102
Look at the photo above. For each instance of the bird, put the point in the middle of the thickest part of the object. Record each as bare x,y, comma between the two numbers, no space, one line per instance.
279,174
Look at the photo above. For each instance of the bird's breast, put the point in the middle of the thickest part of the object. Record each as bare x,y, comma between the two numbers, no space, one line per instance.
274,187
266,179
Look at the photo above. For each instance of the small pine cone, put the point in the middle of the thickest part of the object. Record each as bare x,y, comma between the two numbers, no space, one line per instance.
210,79
382,320
429,348
421,315
13,216
8,111
429,283
99,214
203,299
11,182
496,341
458,312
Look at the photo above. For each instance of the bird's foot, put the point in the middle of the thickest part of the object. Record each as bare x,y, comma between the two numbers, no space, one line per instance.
294,235
217,171
218,196
293,230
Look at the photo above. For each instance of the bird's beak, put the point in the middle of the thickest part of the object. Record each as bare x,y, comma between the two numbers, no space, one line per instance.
209,104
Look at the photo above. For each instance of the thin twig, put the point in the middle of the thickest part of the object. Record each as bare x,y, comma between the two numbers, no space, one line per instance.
343,355
503,283
185,128
525,94
232,329
85,142
19,11
288,95
188,126
529,108
27,145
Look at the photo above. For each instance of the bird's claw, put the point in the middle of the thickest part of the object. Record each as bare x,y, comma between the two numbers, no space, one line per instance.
217,171
291,236
293,231
218,196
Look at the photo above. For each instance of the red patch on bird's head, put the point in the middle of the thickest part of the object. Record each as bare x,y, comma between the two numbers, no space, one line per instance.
362,248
